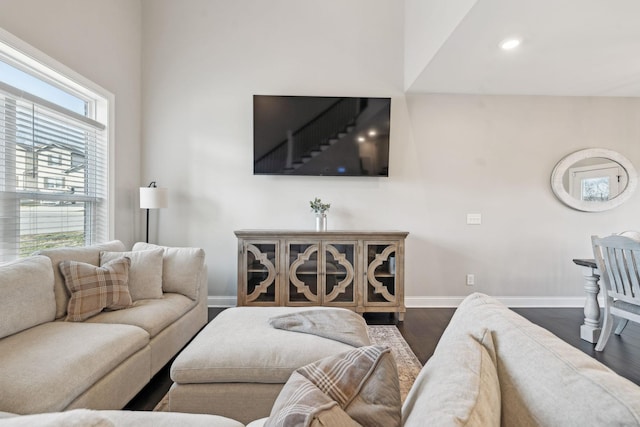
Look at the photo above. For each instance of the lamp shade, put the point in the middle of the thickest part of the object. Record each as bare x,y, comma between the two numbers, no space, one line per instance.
153,198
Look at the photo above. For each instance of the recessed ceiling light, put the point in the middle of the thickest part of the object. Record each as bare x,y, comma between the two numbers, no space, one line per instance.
361,139
510,43
373,132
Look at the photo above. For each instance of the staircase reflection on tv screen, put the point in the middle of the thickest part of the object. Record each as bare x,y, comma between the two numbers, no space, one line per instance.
319,135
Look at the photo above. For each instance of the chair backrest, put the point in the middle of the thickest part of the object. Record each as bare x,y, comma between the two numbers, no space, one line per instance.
635,235
618,259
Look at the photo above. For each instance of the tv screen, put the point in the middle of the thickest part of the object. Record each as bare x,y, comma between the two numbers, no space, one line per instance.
320,135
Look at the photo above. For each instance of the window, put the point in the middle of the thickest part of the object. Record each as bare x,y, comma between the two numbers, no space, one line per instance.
596,182
53,183
53,158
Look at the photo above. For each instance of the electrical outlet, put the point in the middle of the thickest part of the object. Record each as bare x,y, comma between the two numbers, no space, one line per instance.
471,279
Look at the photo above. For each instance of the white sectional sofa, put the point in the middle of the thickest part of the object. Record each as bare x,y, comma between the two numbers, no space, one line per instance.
491,367
48,364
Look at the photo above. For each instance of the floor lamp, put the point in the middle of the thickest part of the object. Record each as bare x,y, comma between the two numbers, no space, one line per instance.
152,197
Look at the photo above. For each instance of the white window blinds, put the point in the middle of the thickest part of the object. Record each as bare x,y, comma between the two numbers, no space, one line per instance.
53,175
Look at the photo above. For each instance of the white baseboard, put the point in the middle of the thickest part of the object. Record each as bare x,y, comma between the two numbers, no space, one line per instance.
222,301
424,302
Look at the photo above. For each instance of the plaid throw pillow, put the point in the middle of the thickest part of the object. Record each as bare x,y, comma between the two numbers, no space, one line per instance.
356,388
94,289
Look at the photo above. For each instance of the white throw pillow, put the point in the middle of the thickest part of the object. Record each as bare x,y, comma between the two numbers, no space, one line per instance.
181,268
145,274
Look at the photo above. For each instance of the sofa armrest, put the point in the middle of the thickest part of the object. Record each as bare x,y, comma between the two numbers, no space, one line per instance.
203,291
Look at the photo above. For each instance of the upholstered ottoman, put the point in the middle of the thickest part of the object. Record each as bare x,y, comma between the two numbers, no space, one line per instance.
237,365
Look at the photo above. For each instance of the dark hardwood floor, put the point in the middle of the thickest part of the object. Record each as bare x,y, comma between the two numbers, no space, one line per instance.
423,327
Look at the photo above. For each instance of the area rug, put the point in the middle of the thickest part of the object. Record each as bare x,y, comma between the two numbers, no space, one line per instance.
408,364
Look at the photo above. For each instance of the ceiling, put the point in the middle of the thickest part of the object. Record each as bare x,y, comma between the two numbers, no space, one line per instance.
569,48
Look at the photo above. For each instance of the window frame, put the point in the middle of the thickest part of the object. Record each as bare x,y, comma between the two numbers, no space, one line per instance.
101,103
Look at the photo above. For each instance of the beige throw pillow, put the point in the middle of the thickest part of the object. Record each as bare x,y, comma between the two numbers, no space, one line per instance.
458,387
182,268
358,387
94,289
145,273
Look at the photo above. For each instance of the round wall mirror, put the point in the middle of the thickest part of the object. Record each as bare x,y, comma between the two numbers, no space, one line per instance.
594,180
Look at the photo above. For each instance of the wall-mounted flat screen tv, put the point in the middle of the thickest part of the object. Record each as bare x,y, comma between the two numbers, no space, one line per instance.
321,135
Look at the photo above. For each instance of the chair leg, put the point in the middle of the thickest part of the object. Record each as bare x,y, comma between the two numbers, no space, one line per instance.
621,325
607,325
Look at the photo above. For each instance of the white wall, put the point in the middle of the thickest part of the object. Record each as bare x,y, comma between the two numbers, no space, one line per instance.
494,155
427,26
99,39
450,155
202,62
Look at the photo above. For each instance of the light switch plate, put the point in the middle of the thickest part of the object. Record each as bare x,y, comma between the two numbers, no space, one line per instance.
474,218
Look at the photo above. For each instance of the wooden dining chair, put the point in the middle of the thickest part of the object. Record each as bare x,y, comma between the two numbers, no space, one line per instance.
618,259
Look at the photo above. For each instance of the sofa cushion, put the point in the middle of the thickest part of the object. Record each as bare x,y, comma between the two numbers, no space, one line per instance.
167,419
181,268
48,366
94,289
152,315
145,273
458,386
27,299
358,387
92,418
75,418
88,254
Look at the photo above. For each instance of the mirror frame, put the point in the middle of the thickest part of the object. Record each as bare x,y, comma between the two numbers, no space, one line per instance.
563,166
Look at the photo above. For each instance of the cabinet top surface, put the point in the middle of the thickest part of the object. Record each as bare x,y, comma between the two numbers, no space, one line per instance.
312,233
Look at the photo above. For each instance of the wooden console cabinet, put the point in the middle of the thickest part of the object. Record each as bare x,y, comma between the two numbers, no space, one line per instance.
359,270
